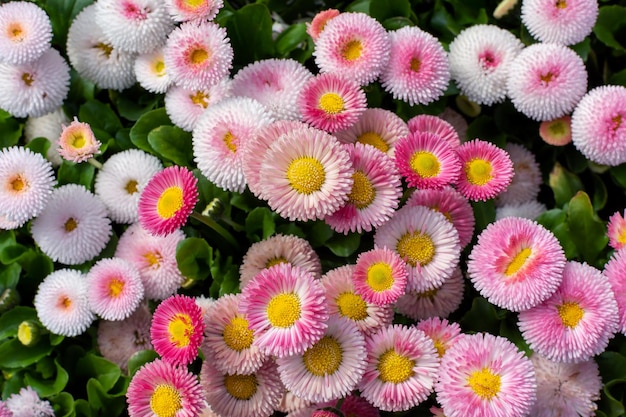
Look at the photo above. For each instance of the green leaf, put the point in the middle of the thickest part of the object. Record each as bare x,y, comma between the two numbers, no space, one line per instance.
344,245
555,220
619,78
482,317
13,354
382,10
583,48
71,173
611,21
230,281
319,234
359,6
144,125
290,39
612,366
10,320
63,405
484,214
250,33
62,13
133,107
102,401
194,257
485,128
139,359
99,116
46,387
260,224
600,193
10,131
39,145
587,231
9,276
618,173
395,23
564,184
10,250
172,143
107,373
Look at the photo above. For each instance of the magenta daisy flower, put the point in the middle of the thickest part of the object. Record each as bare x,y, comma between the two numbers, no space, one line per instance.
380,276
162,389
286,310
526,180
418,70
167,200
77,142
151,72
184,10
563,22
617,230
557,132
577,321
25,32
330,102
401,369
436,125
441,331
546,81
177,329
614,270
486,170
485,376
319,22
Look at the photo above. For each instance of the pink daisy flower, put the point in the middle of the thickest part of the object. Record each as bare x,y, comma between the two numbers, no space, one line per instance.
27,403
546,81
441,331
563,22
151,72
401,368
319,22
286,310
436,125
380,276
330,102
162,389
577,321
198,54
354,46
486,170
25,32
184,10
614,270
557,132
4,410
617,230
77,142
167,200
177,329
485,376
417,71
526,180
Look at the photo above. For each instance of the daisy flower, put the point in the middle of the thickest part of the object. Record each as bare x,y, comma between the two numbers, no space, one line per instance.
291,404
577,321
546,81
434,124
26,403
162,389
564,22
557,132
319,22
167,200
380,276
307,175
524,186
375,194
177,329
4,410
184,10
286,310
617,230
418,71
614,271
457,120
198,54
486,170
77,142
441,331
151,72
487,376
25,32
61,303
48,126
7,224
528,210
401,368
426,241
479,59
330,102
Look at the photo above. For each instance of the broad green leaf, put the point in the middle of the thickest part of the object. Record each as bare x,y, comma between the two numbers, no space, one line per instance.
13,382
360,6
47,387
582,48
484,214
10,131
132,108
447,27
395,23
10,250
564,184
344,245
485,128
9,276
611,21
482,317
319,234
63,405
61,13
144,125
100,116
250,33
10,320
383,10
555,220
103,402
13,354
612,367
290,39
72,173
619,78
260,224
230,281
39,145
618,173
194,257
139,359
600,193
587,231
172,143
92,366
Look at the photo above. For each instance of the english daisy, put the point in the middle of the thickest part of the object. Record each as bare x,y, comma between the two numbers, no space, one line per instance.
441,331
151,72
77,142
528,210
617,230
319,22
25,32
436,125
380,276
524,186
184,10
557,132
48,126
614,271
26,403
565,22
4,410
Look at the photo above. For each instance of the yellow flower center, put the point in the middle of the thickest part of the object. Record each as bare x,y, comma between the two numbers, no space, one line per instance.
16,32
198,56
380,277
430,294
395,368
77,140
547,78
558,128
170,201
241,387
28,79
440,347
373,139
352,50
425,163
230,141
18,183
331,103
131,187
200,99
64,302
70,225
275,261
159,68
362,193
415,65
165,401
571,314
478,171
153,258
180,329
237,335
416,248
283,310
484,383
306,175
352,306
561,4
105,48
622,236
617,122
194,4
115,287
324,357
518,262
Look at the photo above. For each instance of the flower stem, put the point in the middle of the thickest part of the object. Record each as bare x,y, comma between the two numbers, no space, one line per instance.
225,234
95,163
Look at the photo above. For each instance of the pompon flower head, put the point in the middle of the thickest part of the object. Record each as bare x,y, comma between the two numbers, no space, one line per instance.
426,241
615,271
479,62
151,72
617,230
319,22
375,194
418,70
167,200
198,54
221,134
77,142
74,227
577,321
27,181
401,368
441,331
61,303
557,132
546,81
524,186
25,32
516,263
35,88
564,22
286,310
275,83
26,403
159,388
434,124
529,210
353,45
599,125
566,389
184,10
486,170
380,276
177,329
277,249
307,175
331,102
483,375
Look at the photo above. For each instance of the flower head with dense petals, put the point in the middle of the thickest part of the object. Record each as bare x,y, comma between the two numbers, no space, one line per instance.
77,142
524,186
486,170
436,125
319,22
557,132
184,10
614,270
528,210
151,72
25,32
376,127
483,375
577,321
48,126
441,331
26,403
380,276
418,70
617,230
565,22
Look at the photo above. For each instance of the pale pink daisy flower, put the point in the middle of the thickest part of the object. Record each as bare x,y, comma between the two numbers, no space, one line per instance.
291,404
526,180
557,132
479,58
159,388
546,81
25,32
418,70
331,102
177,329
4,410
331,368
26,403
598,125
198,54
114,288
441,331
565,22
151,72
277,249
436,125
220,135
319,22
375,194
577,321
486,170
566,389
7,224
483,375
184,10
77,142
617,230
307,175
528,210
275,83
614,270
61,303
286,310
380,276
48,126
401,369
427,242
457,120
